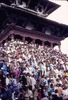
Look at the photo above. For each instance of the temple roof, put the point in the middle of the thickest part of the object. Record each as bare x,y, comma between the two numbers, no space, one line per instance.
24,16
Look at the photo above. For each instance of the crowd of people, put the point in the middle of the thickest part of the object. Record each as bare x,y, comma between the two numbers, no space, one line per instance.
32,72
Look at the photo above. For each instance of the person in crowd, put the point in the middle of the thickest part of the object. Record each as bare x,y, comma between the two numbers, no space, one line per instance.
32,72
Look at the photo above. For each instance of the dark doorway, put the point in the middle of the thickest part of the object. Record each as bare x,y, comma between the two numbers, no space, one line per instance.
28,39
48,44
38,42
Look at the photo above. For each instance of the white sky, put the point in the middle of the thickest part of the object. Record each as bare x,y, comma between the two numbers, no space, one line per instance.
61,14
64,46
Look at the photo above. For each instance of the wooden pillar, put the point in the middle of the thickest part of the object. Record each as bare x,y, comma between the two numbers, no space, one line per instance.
33,41
17,2
51,45
28,3
59,45
42,43
23,39
12,37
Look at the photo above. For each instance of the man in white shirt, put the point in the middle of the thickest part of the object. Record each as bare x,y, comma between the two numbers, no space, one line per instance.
7,79
33,82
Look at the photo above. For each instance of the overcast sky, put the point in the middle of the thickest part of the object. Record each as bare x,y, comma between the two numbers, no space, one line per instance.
61,14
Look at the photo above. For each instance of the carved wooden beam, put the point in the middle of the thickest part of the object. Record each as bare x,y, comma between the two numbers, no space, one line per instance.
28,3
